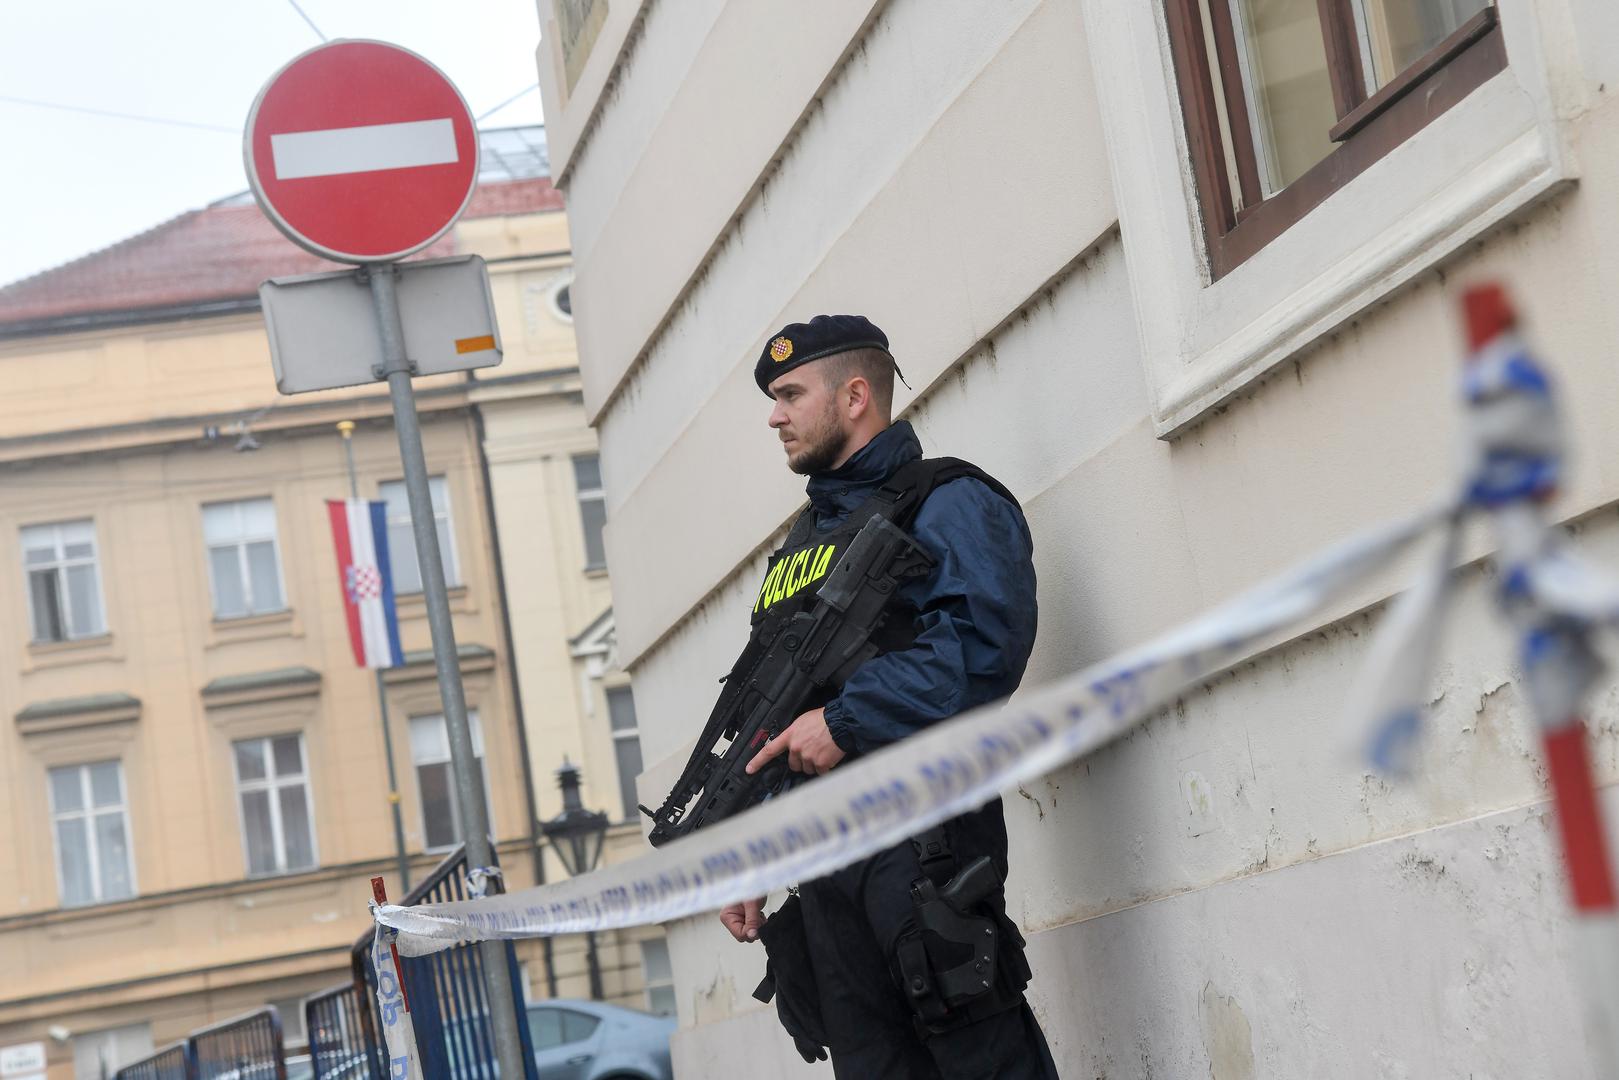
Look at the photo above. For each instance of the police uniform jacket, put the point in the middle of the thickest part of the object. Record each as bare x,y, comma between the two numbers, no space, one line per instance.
975,611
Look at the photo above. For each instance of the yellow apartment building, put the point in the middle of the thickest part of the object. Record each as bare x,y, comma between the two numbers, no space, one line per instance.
193,784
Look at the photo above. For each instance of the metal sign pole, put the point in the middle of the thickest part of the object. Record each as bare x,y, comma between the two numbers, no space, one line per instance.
474,816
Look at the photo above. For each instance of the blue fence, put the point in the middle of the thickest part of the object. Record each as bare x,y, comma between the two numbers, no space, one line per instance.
343,1034
447,1006
446,992
247,1048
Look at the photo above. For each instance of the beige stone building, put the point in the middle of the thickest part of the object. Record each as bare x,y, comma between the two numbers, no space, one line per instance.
1184,275
193,786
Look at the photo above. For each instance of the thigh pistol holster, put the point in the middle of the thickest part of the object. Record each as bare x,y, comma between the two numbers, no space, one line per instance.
948,966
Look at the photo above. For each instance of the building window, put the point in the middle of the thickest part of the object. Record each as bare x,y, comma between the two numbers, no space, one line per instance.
1285,101
562,300
407,568
587,479
244,564
99,1054
626,745
660,977
90,817
430,751
272,783
64,582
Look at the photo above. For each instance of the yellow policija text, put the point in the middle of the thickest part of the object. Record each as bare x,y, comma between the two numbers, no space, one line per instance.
792,572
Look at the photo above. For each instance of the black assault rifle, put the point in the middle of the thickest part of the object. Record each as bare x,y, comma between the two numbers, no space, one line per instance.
814,649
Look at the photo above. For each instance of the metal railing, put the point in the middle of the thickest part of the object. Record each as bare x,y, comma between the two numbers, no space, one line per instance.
447,1005
246,1048
170,1063
446,991
343,1034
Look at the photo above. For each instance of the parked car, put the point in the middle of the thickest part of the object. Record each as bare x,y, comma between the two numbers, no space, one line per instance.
591,1040
583,1040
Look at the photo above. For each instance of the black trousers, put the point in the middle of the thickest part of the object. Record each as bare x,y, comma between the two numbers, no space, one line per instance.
853,920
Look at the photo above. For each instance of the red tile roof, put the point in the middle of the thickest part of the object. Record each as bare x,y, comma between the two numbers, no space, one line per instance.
219,253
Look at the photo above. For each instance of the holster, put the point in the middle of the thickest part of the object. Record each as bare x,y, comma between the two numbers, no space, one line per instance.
790,979
964,961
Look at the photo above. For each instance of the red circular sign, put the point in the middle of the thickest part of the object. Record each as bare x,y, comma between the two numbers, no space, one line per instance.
361,151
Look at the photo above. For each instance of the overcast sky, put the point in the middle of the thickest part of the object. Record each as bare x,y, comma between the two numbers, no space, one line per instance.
71,183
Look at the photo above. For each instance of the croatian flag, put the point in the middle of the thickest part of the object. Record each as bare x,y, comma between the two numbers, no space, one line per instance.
360,531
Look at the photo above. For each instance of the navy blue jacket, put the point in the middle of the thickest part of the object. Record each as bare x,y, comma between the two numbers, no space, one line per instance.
977,608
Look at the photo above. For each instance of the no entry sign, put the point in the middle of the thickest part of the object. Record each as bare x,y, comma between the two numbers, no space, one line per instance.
361,151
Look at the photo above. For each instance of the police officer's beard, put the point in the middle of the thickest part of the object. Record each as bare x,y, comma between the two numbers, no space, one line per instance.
823,446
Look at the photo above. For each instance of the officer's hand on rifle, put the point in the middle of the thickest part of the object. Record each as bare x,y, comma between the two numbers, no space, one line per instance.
807,744
743,920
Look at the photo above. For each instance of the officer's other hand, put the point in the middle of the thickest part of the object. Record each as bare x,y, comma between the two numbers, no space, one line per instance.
811,1052
807,744
743,920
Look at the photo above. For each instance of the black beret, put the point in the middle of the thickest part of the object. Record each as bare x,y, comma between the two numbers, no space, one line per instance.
824,335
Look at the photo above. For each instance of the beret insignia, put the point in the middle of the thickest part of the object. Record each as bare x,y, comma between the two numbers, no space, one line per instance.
801,343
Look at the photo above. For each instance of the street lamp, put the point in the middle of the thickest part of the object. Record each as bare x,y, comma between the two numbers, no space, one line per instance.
577,836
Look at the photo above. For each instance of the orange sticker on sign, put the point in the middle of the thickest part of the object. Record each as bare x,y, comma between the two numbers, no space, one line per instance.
475,344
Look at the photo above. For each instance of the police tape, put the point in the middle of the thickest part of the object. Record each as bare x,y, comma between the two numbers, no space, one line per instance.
398,1030
877,801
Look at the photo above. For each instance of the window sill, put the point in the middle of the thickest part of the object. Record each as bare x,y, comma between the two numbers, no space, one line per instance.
84,650
594,572
269,876
240,628
413,605
95,906
1308,307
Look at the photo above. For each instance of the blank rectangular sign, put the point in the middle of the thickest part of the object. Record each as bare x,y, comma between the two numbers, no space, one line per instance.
323,330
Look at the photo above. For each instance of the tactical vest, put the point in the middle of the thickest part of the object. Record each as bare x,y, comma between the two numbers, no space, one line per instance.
808,555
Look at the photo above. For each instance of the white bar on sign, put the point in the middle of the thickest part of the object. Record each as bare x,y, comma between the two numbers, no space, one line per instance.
363,149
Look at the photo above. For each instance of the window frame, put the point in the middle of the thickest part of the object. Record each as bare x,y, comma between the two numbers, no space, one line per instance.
87,813
583,495
449,554
1368,127
553,298
60,564
240,545
273,784
663,981
480,752
625,784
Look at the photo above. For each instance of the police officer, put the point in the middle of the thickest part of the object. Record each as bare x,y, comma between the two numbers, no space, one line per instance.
885,990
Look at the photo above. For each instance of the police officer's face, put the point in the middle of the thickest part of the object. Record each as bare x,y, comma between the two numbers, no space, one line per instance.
808,421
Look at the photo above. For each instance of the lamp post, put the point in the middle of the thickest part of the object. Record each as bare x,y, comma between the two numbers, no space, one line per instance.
577,836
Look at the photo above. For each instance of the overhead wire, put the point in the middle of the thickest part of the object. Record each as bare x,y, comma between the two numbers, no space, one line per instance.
307,19
34,102
530,88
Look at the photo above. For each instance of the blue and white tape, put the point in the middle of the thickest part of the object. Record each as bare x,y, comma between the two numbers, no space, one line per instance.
880,800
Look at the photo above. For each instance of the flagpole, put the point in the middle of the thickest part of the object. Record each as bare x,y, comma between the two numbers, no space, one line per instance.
346,428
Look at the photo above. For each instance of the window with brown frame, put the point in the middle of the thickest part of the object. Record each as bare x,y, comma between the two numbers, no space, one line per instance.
1286,101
